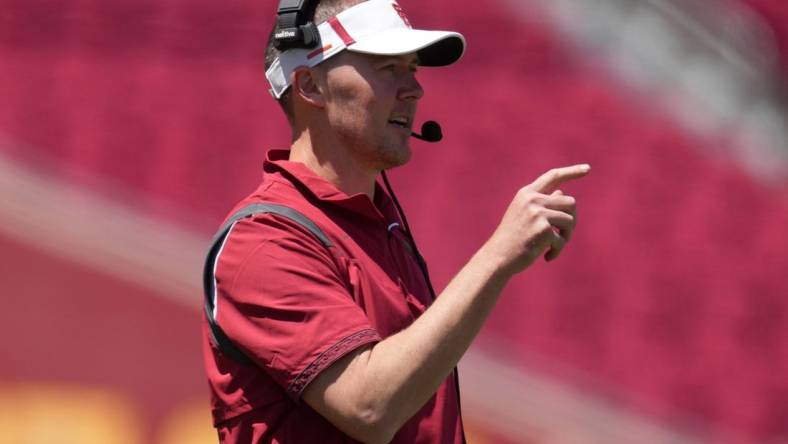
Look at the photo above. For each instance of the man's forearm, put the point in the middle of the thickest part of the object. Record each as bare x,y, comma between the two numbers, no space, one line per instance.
405,370
370,393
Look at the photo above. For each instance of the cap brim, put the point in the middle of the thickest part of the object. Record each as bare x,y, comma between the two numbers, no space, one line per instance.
434,48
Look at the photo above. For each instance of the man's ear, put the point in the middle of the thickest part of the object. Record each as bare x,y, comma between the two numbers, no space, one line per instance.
306,86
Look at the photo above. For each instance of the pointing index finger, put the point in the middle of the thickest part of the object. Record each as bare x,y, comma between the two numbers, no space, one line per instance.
551,180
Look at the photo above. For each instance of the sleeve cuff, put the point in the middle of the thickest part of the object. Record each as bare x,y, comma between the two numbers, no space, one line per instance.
328,357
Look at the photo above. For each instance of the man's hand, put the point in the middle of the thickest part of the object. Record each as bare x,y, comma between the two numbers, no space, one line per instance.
539,220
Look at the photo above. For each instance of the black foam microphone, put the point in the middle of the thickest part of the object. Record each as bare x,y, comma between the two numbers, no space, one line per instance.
430,132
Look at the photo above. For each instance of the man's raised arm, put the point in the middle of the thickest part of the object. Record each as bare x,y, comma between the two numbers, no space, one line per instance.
370,393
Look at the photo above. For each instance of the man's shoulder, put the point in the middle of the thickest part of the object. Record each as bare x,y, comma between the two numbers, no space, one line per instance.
276,191
277,210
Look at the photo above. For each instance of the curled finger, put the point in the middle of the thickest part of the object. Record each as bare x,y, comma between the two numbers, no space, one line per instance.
558,244
560,220
561,202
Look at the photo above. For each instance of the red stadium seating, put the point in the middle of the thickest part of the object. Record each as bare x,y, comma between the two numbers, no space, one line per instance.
672,296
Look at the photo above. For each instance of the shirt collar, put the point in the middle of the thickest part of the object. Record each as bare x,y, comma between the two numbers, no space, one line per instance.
277,161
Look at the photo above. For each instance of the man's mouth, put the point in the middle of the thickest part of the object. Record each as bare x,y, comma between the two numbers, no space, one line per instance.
401,121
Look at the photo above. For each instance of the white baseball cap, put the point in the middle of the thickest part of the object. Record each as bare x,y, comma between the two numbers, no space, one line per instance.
371,27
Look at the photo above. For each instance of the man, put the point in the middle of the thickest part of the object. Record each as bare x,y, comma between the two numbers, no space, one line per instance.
331,308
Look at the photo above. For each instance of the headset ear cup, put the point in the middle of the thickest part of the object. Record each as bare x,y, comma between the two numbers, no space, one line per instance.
310,36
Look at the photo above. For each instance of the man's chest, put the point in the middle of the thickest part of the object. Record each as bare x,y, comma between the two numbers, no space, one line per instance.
383,277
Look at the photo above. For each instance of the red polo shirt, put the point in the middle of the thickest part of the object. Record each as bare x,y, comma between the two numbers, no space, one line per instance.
295,307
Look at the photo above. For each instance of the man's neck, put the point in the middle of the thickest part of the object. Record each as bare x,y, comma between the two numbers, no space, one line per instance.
325,157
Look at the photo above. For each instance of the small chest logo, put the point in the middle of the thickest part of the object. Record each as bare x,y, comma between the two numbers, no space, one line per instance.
401,13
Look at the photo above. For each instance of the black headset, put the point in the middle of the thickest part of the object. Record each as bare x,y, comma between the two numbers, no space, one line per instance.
294,26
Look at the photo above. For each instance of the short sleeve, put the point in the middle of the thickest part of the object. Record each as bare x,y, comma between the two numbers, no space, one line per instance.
283,300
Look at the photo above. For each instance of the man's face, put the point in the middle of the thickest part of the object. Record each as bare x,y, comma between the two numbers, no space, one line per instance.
370,102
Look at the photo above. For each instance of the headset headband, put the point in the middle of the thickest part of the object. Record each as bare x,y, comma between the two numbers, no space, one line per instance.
293,27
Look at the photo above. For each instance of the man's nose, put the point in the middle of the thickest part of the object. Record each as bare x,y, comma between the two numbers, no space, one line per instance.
411,89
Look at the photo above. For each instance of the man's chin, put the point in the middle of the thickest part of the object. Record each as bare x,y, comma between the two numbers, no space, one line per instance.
396,156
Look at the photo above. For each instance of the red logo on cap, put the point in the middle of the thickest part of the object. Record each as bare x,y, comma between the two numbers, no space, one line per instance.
402,15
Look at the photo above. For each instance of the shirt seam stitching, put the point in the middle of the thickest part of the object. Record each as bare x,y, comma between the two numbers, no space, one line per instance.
328,357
